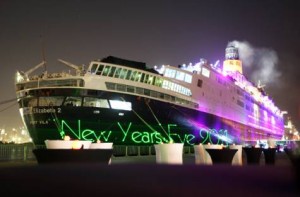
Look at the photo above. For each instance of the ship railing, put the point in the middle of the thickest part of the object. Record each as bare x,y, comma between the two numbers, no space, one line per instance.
55,75
23,152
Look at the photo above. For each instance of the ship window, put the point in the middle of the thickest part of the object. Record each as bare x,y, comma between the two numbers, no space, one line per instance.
73,101
147,92
247,108
188,78
170,73
92,92
118,71
158,81
115,104
161,95
146,78
121,87
123,73
95,102
153,93
240,103
138,76
112,71
150,79
32,102
51,101
111,86
142,77
205,72
133,76
167,97
128,74
65,82
171,86
180,75
199,84
106,70
239,92
139,90
93,68
165,84
99,71
130,89
153,81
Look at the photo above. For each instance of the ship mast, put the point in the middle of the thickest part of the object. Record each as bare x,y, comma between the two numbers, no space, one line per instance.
43,53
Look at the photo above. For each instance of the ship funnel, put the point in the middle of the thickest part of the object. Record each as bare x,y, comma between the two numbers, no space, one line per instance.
232,61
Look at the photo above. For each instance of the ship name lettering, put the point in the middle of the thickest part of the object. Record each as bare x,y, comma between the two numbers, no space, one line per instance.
43,110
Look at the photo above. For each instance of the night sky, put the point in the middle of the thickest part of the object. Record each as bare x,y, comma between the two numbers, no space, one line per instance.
156,32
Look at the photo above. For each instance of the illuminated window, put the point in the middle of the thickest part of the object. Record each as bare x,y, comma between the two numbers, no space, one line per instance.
142,77
117,73
205,72
170,73
100,69
123,73
51,101
138,76
95,102
188,78
265,115
146,78
93,68
106,70
128,74
115,104
273,120
133,76
255,111
179,75
153,81
112,71
30,102
73,101
150,79
165,84
158,81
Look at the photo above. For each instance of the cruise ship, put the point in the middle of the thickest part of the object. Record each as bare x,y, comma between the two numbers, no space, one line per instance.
127,103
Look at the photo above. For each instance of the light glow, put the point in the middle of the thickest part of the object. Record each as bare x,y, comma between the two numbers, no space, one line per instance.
115,104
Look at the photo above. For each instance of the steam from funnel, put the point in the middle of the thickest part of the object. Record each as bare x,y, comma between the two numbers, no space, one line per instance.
258,63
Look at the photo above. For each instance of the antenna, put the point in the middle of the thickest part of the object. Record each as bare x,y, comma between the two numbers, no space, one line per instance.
43,52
